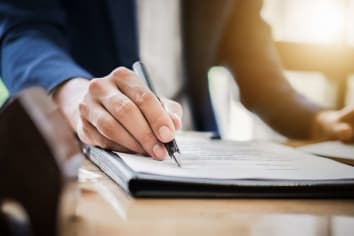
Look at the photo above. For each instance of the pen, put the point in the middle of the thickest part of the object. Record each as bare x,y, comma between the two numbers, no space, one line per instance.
142,73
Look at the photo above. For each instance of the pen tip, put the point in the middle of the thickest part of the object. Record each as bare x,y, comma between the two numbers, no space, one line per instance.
176,160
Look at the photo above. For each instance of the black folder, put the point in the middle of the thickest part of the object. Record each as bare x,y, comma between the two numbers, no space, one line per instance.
140,184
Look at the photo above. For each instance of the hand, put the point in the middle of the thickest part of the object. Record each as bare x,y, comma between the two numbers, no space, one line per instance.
119,112
335,125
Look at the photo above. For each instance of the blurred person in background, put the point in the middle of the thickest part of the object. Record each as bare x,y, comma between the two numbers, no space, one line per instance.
233,34
72,48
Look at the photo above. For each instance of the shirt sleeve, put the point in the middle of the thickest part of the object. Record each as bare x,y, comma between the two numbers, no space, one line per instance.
248,49
33,46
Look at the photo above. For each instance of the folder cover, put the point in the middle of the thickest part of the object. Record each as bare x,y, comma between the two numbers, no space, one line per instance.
215,168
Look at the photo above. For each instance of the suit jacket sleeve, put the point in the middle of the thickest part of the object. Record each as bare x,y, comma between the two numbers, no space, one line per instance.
33,47
249,50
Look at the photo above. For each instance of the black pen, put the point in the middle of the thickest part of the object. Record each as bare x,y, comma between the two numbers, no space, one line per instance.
142,73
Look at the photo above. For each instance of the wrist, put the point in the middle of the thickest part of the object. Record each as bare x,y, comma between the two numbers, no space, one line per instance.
68,96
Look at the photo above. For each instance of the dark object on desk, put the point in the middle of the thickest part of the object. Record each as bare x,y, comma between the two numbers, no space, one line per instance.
39,161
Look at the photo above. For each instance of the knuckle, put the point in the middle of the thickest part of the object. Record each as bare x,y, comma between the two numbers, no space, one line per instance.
120,72
123,107
105,125
143,97
83,108
95,86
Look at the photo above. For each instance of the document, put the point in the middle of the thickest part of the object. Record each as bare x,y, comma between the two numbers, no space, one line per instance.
255,160
332,149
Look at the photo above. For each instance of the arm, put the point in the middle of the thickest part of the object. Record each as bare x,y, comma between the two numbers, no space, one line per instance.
116,112
249,50
33,46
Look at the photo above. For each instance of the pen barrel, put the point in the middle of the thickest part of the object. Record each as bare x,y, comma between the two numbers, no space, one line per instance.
172,147
140,69
142,72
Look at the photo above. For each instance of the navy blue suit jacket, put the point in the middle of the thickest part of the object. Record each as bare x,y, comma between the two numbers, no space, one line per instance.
44,42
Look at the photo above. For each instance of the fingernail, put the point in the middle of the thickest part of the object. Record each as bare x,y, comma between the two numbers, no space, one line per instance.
159,151
165,134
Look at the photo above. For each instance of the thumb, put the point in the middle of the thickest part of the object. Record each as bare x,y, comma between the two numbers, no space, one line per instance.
343,131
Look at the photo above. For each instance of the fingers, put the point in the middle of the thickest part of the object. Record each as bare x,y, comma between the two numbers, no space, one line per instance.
130,117
176,121
172,107
345,127
107,126
343,131
336,124
151,108
89,135
175,112
347,114
119,112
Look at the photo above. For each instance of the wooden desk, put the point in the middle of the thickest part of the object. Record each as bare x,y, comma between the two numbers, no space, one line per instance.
105,209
